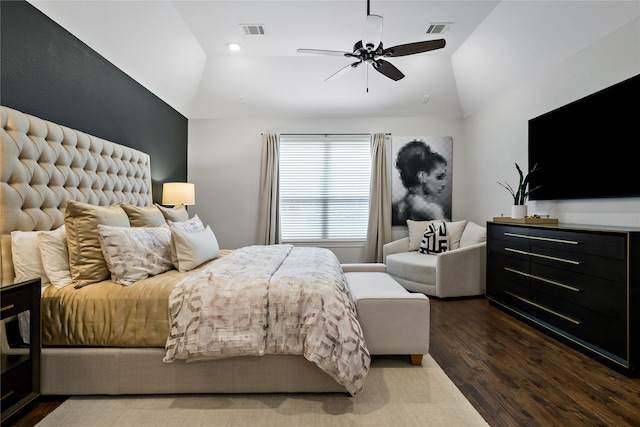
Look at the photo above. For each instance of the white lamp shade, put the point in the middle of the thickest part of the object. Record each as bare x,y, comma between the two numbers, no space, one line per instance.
178,193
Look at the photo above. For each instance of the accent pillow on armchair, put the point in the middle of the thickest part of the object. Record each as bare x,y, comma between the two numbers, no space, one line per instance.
435,239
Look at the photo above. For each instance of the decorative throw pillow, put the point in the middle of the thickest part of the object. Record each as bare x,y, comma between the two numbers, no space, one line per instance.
135,253
55,256
176,213
455,230
473,233
147,216
194,248
27,262
435,239
416,231
81,220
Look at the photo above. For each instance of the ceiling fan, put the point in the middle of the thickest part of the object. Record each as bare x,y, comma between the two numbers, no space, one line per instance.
370,50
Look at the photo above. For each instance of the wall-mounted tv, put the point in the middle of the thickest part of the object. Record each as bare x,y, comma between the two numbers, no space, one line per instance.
588,148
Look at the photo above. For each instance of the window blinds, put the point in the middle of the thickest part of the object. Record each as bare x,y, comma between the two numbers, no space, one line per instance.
324,187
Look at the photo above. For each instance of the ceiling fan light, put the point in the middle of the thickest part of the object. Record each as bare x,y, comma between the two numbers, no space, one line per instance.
372,32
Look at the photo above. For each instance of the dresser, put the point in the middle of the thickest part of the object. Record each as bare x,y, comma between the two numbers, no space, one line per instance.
580,284
20,350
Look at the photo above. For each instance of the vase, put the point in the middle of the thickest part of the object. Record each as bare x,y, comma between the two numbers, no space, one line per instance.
518,211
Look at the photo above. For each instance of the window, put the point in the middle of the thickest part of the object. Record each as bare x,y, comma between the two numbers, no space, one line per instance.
324,187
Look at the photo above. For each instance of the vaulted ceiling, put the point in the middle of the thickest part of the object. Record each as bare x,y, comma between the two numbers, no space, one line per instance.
178,50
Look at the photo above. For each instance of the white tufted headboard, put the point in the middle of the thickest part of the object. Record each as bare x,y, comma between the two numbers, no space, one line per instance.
42,165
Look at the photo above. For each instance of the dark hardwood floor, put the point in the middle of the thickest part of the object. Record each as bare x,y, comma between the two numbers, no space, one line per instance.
513,374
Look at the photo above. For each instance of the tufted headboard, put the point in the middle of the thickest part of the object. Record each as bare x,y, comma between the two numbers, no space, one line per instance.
42,165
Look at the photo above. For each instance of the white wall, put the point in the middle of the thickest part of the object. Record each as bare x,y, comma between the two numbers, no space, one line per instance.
224,163
224,155
496,136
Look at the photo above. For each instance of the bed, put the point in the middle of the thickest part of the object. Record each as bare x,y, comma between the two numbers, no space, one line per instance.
48,172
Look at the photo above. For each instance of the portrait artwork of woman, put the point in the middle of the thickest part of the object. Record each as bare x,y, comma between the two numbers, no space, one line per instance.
425,176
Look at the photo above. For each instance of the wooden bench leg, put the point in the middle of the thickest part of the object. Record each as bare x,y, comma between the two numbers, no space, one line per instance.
416,359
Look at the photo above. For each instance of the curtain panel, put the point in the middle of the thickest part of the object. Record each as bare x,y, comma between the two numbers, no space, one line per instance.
269,203
379,230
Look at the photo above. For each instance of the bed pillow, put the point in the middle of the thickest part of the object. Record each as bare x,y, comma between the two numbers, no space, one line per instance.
27,262
435,239
135,253
176,213
192,224
86,260
147,216
193,248
55,256
416,231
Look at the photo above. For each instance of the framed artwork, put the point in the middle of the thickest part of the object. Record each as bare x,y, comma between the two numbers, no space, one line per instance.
421,178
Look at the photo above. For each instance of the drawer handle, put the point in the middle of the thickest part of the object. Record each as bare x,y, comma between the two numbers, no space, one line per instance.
553,282
553,258
546,239
548,310
4,396
518,251
8,307
542,279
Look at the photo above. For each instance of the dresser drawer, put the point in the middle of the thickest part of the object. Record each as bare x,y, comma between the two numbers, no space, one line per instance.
605,268
14,302
600,295
507,277
16,384
21,369
589,326
514,248
598,244
506,232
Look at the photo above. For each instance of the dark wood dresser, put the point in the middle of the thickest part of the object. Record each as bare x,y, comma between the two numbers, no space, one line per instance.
580,284
20,359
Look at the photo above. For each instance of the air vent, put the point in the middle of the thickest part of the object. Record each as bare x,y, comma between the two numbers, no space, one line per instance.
439,27
253,29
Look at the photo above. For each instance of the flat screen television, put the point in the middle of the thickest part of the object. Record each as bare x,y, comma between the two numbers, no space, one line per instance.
588,148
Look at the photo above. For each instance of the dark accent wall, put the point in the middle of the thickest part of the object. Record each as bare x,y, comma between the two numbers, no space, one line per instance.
47,72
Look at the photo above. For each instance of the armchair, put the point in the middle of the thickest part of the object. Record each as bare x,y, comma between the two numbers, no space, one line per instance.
454,273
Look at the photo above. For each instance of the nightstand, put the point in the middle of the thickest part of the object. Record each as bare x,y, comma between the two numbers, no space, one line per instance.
20,350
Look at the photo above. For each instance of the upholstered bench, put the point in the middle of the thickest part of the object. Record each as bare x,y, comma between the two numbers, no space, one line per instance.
393,320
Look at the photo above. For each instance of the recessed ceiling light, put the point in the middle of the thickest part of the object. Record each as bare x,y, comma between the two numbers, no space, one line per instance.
234,47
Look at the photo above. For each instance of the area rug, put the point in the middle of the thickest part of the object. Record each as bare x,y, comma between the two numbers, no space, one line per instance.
396,394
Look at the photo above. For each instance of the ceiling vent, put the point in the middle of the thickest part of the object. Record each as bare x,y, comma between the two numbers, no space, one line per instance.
253,29
439,27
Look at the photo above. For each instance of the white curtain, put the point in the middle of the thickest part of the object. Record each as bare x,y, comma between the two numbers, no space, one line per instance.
268,217
379,230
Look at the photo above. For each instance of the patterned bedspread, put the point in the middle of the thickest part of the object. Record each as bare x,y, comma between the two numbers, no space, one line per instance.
276,299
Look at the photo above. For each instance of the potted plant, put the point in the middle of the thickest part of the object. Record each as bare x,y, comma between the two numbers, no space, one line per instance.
520,193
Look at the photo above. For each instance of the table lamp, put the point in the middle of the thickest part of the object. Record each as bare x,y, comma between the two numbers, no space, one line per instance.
178,193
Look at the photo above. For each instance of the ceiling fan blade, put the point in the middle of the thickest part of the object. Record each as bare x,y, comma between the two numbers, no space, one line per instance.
344,70
388,69
372,32
326,52
413,48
